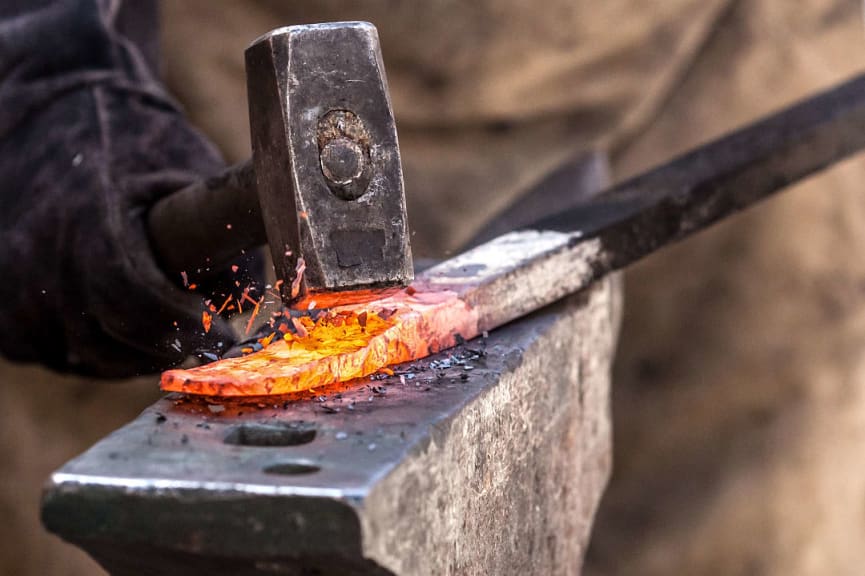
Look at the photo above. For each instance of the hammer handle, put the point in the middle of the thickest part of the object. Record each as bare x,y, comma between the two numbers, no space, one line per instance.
205,226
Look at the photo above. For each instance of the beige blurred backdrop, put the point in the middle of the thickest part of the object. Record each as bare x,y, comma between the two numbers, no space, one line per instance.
738,389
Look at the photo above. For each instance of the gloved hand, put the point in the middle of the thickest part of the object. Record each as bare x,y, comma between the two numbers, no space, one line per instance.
88,141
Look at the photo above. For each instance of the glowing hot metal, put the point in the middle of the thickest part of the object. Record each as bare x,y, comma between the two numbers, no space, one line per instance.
349,342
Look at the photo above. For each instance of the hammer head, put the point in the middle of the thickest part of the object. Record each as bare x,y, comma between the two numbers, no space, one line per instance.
326,159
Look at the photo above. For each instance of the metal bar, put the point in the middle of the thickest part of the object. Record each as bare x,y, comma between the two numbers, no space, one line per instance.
520,272
729,174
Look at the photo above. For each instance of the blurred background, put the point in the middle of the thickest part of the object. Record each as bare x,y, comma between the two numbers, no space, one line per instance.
739,387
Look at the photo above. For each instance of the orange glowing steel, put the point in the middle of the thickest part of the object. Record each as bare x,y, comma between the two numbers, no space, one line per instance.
350,341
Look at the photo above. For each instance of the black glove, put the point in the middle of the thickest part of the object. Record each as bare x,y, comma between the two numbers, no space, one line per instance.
88,141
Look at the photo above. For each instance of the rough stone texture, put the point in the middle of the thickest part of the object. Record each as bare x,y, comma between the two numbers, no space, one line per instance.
510,485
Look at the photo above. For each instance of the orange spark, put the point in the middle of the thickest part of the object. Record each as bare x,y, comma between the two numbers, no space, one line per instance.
298,276
224,304
254,312
265,342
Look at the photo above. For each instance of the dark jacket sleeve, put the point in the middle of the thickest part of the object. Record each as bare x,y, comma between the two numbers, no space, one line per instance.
89,139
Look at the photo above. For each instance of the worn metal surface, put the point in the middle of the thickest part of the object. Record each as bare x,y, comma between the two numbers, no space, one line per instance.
325,182
488,459
326,157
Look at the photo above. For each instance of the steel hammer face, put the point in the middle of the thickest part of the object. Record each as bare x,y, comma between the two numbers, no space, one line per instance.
326,156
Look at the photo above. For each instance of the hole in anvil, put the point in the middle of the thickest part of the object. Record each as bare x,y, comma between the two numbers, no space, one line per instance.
270,434
291,468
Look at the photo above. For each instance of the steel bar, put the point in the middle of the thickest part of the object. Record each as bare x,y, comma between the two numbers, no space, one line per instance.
729,174
523,271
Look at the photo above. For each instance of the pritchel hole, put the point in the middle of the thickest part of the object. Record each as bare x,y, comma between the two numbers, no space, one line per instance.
292,468
270,434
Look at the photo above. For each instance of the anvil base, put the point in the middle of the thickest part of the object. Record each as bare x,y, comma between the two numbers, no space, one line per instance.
488,459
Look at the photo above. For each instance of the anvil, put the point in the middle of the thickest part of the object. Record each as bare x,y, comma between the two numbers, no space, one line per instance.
488,458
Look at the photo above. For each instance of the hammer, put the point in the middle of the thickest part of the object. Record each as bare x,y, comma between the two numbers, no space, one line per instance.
324,187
